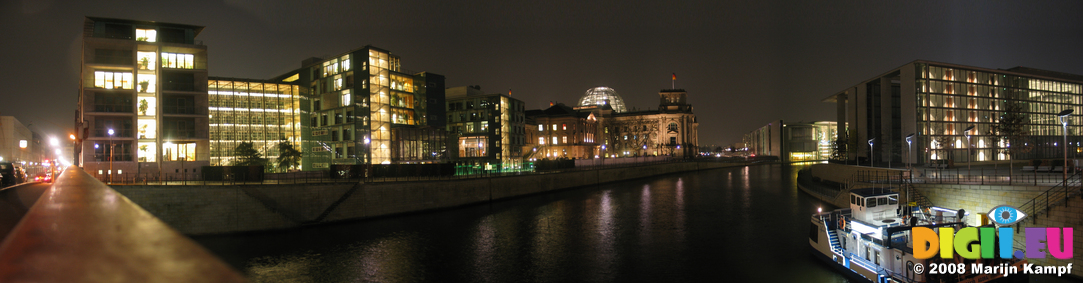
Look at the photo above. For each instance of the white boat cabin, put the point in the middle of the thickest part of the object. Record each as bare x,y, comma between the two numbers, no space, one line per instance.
876,206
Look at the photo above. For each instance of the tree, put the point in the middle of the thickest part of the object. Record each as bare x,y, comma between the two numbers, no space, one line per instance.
1011,128
247,155
288,156
946,145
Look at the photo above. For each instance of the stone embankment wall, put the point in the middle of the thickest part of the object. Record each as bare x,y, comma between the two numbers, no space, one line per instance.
200,210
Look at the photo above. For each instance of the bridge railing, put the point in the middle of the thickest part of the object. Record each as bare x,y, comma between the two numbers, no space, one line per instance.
81,230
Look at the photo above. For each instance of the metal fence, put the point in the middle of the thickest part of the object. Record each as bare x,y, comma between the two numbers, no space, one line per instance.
987,177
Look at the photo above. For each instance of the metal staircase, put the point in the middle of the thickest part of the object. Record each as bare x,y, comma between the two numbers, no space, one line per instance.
836,246
914,195
1056,195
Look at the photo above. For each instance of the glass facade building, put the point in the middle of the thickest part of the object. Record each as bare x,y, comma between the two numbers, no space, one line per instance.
359,101
938,101
263,113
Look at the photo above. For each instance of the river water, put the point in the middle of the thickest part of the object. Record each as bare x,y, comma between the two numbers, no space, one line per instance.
741,224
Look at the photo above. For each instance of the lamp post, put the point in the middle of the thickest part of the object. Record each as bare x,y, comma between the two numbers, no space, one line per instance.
111,149
165,146
871,152
1064,115
967,134
74,152
909,149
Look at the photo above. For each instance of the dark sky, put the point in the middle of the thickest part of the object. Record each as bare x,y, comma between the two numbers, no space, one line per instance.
743,63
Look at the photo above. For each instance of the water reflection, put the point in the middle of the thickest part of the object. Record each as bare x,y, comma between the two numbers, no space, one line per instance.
738,224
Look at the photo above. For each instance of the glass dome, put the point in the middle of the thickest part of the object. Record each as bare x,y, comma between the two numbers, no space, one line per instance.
603,96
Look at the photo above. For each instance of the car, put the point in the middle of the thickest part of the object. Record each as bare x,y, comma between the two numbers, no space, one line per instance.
8,174
43,178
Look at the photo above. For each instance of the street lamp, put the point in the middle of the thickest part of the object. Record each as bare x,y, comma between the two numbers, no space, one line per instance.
1063,115
111,149
909,149
968,146
871,152
910,163
74,151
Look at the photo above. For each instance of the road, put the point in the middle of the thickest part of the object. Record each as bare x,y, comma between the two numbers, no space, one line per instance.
15,201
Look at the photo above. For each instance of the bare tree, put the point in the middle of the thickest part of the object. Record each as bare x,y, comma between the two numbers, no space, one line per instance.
1012,128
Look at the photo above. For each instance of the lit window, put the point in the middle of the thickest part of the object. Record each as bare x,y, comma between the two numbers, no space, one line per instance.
564,139
541,128
146,60
554,127
345,62
148,35
554,140
541,140
564,127
147,83
177,152
111,80
178,61
346,98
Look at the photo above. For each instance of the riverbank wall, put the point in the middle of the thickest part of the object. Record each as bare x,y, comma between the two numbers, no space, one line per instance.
221,209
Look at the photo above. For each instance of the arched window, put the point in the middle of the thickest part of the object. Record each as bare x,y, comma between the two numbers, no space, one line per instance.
672,127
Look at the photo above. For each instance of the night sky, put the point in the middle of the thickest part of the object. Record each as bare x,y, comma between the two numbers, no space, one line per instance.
743,63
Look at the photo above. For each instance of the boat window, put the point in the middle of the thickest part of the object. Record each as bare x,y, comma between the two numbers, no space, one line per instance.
892,200
877,257
881,201
871,202
814,233
853,199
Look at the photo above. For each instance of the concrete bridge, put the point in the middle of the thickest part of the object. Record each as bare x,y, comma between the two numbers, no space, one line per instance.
80,230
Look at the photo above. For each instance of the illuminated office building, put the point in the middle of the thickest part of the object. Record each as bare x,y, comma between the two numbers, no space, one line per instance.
261,112
937,102
365,109
147,83
793,142
485,130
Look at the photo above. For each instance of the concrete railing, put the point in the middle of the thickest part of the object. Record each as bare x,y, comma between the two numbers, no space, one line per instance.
80,230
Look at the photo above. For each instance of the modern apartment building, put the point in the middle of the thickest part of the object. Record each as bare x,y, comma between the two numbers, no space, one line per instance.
485,130
143,98
264,113
937,102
